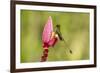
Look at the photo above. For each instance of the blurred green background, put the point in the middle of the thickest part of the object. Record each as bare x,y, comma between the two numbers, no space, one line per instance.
74,28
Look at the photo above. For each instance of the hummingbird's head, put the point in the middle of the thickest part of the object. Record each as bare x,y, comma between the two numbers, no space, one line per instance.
58,25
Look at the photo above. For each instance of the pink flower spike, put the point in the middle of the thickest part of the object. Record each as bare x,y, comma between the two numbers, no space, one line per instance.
48,29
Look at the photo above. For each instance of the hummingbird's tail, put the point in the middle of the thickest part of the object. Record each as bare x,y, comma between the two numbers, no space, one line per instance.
68,47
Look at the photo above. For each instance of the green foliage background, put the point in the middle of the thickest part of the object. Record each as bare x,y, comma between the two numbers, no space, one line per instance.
74,28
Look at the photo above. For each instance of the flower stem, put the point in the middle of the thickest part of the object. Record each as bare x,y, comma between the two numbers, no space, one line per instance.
45,55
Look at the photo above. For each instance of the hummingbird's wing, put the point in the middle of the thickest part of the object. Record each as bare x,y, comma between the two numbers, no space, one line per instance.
48,29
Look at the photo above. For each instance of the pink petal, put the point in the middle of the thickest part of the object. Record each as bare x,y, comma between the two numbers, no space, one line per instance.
53,41
48,28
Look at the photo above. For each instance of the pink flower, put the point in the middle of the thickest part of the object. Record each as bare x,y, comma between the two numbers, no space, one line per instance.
48,36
